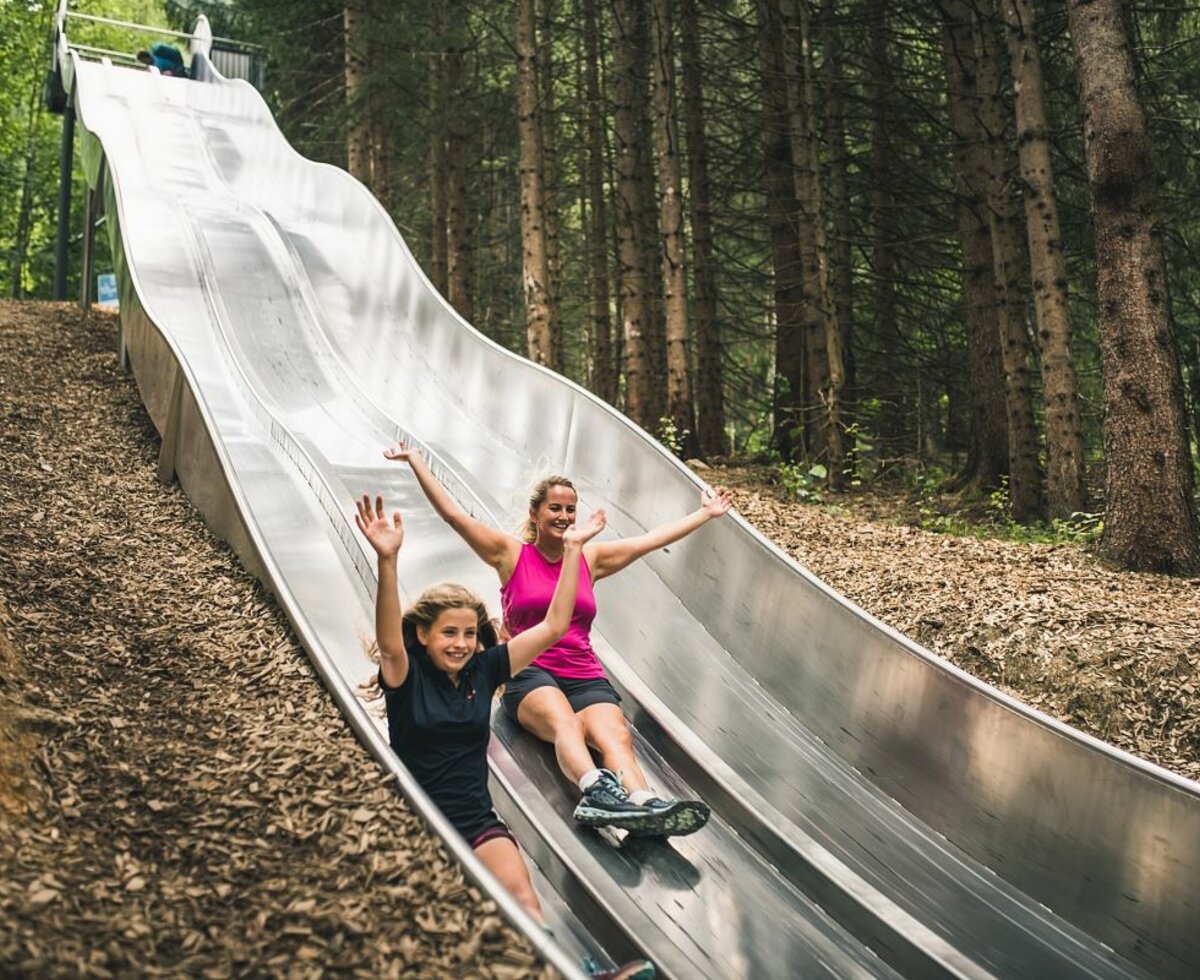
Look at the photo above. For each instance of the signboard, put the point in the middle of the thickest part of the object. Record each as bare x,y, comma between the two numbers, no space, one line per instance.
106,290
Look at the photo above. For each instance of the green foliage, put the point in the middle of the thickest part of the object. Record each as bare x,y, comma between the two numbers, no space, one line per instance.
671,435
803,484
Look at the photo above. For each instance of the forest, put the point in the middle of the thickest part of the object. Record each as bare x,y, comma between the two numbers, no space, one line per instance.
865,243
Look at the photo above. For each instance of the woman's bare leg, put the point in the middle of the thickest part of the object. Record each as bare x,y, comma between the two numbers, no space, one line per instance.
546,713
606,730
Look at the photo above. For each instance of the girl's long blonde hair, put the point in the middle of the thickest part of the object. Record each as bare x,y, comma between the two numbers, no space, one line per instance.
537,496
424,612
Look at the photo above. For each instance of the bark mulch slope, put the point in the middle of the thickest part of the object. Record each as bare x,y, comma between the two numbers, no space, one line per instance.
1114,654
178,794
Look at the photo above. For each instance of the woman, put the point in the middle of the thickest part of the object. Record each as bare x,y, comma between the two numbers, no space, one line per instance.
564,697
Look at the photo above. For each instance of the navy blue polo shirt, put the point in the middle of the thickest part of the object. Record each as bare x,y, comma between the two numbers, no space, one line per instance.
440,731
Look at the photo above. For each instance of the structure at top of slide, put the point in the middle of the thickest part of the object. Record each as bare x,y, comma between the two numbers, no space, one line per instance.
876,811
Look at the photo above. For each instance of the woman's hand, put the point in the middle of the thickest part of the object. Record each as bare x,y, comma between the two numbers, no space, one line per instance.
576,535
401,452
385,538
715,501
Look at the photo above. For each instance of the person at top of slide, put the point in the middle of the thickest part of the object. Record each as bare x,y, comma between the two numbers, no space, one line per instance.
564,697
439,667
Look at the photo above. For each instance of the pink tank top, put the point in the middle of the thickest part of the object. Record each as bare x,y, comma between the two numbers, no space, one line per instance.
525,598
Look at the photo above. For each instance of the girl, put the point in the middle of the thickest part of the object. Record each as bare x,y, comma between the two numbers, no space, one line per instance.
439,667
564,697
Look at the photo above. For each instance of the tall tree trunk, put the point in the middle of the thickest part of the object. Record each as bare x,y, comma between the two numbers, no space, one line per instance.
20,249
356,38
841,268
1150,522
674,270
639,396
534,271
710,396
786,258
825,346
1065,470
547,128
459,242
438,246
987,459
379,118
1193,361
1024,467
604,374
885,233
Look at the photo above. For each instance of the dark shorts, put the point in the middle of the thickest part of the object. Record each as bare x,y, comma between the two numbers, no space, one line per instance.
581,693
491,833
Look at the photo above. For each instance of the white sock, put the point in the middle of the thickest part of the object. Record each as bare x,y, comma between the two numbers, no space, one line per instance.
639,796
589,777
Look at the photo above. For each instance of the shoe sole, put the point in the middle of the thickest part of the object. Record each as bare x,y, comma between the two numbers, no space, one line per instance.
678,820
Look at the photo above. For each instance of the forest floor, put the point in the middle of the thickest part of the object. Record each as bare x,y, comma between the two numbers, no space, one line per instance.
217,817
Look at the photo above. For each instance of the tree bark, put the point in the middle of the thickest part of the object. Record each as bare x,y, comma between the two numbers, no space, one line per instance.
459,244
1026,482
355,34
1065,468
1150,522
534,271
987,459
438,258
547,123
674,270
604,374
786,258
710,396
639,397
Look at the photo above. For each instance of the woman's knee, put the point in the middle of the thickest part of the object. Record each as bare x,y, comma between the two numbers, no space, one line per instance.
548,714
607,731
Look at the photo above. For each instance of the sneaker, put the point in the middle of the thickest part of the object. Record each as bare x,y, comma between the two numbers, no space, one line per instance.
606,804
674,818
634,970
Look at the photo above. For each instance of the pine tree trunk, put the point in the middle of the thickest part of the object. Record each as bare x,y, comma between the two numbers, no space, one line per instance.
604,375
534,273
1150,522
355,34
547,123
786,258
710,397
670,187
841,268
20,249
1024,466
438,258
885,234
987,459
1065,470
639,398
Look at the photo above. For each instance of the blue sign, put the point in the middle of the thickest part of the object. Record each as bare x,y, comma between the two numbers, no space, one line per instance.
106,290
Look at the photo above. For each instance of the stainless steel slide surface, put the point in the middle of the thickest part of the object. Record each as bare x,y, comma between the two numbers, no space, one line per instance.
876,812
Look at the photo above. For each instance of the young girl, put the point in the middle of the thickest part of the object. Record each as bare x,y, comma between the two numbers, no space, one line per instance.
564,697
440,666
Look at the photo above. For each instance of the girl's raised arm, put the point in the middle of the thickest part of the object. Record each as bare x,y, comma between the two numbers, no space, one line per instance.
386,539
609,557
523,647
496,548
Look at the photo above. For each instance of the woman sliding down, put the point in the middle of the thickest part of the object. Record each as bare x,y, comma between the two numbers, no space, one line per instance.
439,667
564,697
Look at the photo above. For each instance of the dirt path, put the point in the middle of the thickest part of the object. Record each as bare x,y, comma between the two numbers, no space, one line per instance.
194,803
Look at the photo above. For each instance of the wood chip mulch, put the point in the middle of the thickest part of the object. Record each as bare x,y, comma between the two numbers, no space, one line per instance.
178,793
1114,654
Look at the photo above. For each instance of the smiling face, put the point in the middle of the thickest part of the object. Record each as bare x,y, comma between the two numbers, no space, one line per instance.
452,639
555,514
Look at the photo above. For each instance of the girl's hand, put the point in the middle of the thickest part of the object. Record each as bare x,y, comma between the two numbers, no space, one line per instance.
715,501
582,535
385,538
401,453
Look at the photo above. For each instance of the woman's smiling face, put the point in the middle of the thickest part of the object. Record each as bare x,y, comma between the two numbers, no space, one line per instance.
556,513
452,639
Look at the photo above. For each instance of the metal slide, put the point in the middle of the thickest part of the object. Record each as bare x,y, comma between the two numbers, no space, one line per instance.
876,811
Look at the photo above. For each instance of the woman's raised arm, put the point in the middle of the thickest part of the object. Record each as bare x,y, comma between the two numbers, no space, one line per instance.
496,548
386,538
609,557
